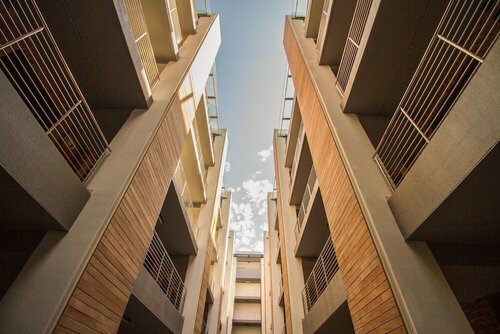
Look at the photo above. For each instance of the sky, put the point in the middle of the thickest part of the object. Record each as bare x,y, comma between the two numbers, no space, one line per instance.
250,73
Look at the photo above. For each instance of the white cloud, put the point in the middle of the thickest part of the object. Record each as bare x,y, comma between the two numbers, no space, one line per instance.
248,209
256,190
265,154
227,167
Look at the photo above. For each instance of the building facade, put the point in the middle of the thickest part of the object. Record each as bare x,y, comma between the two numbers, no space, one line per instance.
114,217
247,306
385,217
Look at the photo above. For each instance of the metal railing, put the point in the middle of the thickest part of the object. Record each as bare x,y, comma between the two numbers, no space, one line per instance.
464,36
34,65
161,267
299,8
212,103
287,104
141,35
323,271
352,44
183,187
306,199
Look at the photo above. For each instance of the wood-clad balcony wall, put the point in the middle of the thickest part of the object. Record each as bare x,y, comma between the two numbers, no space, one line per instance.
101,295
370,298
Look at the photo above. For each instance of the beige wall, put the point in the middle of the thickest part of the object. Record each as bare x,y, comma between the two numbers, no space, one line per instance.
246,330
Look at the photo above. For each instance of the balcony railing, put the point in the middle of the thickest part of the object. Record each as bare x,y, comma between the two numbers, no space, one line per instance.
323,271
287,104
183,187
299,9
212,103
304,205
141,35
161,267
352,44
464,36
34,65
203,7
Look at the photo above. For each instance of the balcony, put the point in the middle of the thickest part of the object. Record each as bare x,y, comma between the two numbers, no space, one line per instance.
336,17
301,167
157,297
322,273
440,151
180,183
45,121
246,318
35,67
247,275
194,168
452,58
177,223
247,295
294,130
311,228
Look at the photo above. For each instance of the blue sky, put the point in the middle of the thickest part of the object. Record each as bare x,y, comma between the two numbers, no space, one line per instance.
250,73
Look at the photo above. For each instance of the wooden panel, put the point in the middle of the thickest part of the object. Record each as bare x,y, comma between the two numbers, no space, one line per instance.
282,245
101,295
370,299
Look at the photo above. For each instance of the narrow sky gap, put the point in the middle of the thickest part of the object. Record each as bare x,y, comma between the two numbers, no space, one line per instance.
250,70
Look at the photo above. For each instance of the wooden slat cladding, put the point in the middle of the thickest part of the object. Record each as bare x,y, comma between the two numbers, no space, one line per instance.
370,299
284,266
101,295
198,323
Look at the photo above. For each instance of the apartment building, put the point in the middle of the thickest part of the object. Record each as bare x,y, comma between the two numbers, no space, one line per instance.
247,307
385,216
114,217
